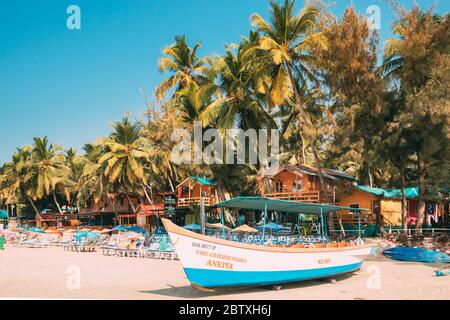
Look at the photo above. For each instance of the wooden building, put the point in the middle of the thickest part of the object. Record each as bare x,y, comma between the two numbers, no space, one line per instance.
301,183
193,189
385,206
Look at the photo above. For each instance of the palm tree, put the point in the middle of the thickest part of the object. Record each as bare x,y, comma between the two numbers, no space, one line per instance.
125,156
75,163
286,41
238,103
183,64
49,170
16,177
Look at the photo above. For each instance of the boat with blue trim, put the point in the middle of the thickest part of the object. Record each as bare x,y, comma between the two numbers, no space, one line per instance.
213,262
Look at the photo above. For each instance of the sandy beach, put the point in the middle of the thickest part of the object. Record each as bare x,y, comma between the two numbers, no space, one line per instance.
56,274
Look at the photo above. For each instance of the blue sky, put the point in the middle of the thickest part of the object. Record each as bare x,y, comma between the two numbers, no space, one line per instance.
71,84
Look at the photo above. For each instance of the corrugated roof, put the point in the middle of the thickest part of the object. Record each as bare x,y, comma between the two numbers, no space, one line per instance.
375,191
205,181
260,203
410,192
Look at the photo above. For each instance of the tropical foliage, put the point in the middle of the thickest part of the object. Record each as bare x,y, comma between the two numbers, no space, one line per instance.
316,78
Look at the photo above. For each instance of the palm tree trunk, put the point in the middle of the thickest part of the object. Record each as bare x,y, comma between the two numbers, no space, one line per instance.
32,204
115,210
129,199
298,102
57,203
421,208
404,214
146,194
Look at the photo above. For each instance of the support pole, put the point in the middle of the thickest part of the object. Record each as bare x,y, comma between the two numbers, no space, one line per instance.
359,224
222,217
264,225
321,224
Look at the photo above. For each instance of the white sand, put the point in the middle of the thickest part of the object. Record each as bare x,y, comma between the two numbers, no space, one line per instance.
43,273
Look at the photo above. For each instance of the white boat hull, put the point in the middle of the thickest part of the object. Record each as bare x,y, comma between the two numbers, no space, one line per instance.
210,262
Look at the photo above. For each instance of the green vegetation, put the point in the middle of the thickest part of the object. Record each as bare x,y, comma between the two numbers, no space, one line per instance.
314,77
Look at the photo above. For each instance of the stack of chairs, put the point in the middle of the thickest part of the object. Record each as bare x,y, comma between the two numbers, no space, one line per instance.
157,250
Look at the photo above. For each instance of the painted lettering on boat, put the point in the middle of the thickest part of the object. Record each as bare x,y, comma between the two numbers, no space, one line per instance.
324,261
219,256
203,246
219,264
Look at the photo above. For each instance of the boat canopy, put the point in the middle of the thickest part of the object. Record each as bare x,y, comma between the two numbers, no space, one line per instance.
270,204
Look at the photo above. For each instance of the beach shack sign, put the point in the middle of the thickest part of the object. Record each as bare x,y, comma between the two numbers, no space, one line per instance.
170,204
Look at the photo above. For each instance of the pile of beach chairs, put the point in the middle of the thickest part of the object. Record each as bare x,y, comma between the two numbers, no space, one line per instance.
153,247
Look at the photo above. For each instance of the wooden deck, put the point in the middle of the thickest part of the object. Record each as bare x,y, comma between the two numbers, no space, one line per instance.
301,196
188,202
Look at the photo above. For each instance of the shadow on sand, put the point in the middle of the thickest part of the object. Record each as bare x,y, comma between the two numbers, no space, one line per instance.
188,292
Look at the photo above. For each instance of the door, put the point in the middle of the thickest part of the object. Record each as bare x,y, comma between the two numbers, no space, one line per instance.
376,211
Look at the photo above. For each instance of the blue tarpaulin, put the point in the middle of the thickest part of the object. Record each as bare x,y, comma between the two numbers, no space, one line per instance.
137,230
192,226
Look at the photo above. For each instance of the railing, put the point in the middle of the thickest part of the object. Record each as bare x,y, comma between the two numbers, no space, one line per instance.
303,196
433,231
352,219
187,202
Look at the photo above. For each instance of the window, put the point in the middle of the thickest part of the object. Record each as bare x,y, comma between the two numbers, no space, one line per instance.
297,186
356,206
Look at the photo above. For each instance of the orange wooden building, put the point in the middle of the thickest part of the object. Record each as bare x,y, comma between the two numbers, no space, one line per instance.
301,183
194,189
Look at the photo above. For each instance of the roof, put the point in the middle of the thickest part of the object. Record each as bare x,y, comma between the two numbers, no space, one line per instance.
151,207
375,191
410,192
305,169
204,181
260,203
3,214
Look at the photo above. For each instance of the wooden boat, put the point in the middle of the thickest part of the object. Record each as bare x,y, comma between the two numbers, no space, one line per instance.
210,262
416,255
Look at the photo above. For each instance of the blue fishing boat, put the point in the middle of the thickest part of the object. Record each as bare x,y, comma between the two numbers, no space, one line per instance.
416,255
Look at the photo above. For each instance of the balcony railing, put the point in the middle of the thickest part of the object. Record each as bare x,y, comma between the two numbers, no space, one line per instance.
187,202
301,196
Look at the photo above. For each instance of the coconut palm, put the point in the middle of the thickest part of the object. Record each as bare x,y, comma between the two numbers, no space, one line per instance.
237,102
125,156
48,168
287,40
183,64
75,163
16,177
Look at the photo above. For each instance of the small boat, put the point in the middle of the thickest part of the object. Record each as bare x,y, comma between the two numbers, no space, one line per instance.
416,255
212,262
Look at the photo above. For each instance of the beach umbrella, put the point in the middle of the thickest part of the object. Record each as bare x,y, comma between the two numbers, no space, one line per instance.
35,230
106,231
137,229
217,226
96,231
120,228
70,230
193,227
245,229
85,230
85,234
